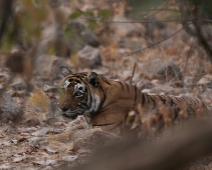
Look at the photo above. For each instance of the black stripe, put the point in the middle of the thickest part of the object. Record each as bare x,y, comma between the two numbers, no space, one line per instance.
192,101
81,78
86,84
105,80
91,101
147,96
183,98
190,108
128,90
106,124
76,77
195,101
122,87
104,98
83,105
162,99
161,123
143,99
70,79
176,112
103,110
94,101
116,126
86,89
171,101
154,103
135,90
83,74
177,98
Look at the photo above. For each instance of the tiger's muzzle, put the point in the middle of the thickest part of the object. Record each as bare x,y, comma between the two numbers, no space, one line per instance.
71,114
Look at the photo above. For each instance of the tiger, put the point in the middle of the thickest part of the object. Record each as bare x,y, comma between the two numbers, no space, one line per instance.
108,103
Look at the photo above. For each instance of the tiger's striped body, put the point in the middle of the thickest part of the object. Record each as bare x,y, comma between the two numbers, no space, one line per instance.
109,102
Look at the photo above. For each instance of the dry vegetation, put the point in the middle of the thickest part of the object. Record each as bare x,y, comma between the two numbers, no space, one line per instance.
156,49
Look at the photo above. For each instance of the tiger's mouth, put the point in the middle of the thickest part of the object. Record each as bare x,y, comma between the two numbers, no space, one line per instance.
70,117
72,114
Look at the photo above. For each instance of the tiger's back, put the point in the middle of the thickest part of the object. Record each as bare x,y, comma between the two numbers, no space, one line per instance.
159,111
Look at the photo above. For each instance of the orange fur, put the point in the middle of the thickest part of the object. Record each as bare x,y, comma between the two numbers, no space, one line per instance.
118,99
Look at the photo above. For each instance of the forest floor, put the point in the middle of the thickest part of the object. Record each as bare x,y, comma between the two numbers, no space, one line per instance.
189,74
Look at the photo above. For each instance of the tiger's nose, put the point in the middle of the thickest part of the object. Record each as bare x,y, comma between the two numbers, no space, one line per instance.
64,109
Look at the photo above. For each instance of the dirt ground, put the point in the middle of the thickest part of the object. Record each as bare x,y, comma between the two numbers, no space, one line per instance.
177,66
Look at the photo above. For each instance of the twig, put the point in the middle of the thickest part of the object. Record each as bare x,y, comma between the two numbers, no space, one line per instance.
188,56
162,9
118,22
156,42
207,20
185,15
199,34
157,11
133,72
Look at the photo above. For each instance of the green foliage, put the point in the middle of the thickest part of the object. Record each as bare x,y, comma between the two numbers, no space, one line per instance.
51,49
68,32
92,24
10,37
26,23
76,14
104,14
142,5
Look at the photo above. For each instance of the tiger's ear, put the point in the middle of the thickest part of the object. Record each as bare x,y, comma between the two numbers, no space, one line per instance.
65,71
93,79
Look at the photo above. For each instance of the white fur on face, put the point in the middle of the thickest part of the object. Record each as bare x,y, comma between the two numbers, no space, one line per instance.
95,103
78,86
66,84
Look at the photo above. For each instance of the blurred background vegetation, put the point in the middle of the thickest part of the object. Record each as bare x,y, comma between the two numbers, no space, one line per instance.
37,27
106,36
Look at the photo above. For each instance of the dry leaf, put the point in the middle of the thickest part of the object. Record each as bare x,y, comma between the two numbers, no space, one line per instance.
70,158
47,162
41,132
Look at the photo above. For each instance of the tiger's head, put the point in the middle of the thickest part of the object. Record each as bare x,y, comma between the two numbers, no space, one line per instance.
81,93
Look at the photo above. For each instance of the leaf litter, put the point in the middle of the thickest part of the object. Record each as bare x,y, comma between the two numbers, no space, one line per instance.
41,113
